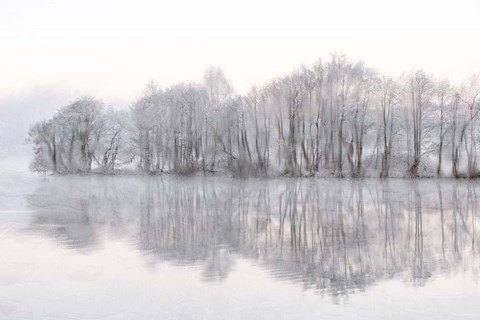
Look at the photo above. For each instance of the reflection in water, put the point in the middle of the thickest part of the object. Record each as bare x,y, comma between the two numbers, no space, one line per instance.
331,236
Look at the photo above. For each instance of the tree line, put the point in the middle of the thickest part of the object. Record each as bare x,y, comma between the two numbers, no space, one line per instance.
336,118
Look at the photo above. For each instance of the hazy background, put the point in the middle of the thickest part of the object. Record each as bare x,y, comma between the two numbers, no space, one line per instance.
52,51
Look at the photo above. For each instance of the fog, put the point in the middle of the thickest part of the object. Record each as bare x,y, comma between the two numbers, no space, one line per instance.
289,159
111,49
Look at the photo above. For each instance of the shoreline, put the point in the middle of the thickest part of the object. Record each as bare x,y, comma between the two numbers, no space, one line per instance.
129,173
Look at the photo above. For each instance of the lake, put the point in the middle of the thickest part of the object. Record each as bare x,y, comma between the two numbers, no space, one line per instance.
136,247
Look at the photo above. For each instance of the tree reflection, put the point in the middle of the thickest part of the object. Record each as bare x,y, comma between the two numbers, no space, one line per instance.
331,236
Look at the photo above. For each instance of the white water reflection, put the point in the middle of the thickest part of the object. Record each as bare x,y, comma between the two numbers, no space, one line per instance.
213,248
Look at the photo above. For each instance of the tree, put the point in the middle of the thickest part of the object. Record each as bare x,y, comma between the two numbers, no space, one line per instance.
43,136
418,89
469,95
443,95
67,143
388,96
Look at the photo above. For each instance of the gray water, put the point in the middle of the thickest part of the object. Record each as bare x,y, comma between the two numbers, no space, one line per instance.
97,247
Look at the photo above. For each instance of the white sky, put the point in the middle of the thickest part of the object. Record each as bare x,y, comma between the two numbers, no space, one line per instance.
112,48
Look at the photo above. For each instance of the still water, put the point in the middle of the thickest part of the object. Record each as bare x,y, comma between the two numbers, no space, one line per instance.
217,248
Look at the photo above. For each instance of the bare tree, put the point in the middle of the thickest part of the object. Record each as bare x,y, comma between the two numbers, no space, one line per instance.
388,101
418,90
443,96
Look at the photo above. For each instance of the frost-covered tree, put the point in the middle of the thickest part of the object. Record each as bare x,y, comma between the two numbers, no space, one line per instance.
387,106
336,117
67,143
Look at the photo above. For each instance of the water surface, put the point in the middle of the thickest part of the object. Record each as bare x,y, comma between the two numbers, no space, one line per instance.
215,248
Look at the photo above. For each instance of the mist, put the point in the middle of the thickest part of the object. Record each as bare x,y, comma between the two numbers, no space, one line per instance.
227,159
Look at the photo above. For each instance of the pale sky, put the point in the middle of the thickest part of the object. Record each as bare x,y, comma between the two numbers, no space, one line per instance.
112,48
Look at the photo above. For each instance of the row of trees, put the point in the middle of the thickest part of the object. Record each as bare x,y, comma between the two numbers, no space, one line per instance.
338,118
